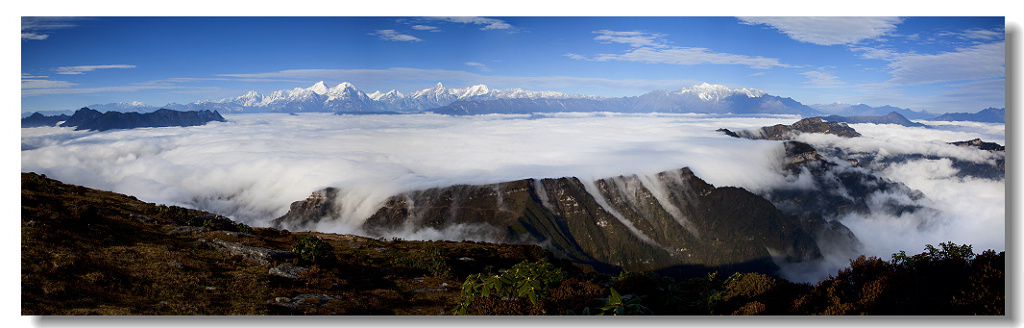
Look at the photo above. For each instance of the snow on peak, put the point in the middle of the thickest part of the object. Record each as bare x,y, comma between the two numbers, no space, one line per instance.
438,89
319,88
715,92
475,90
345,86
393,94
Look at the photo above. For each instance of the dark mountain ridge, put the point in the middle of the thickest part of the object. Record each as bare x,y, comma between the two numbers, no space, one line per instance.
631,222
988,115
786,132
891,118
89,119
37,120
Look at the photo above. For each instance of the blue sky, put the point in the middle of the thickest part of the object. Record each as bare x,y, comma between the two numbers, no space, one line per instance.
937,64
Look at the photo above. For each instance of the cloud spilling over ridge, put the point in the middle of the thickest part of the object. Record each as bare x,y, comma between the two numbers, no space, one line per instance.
965,210
253,166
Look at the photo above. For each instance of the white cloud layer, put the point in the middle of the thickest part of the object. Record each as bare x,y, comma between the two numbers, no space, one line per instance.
253,166
828,30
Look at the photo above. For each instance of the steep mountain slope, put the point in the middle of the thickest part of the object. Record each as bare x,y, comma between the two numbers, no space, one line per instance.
634,222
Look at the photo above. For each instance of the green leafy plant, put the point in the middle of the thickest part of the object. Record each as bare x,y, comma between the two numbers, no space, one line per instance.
617,304
526,280
312,249
948,251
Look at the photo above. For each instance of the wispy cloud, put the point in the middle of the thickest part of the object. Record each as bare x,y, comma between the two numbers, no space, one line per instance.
828,30
479,66
689,56
984,61
39,28
487,23
820,78
61,87
72,70
41,84
426,28
975,34
392,35
635,39
653,49
33,36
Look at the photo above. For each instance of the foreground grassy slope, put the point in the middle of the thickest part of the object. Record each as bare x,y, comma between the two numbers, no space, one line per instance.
87,252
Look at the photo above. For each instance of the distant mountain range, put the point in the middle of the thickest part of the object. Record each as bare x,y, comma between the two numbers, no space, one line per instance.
891,118
345,98
990,115
90,119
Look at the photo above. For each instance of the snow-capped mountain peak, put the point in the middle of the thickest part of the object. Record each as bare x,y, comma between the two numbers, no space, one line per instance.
474,91
318,88
716,92
381,96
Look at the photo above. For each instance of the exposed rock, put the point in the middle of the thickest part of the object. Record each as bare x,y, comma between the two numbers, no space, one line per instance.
187,230
288,270
977,143
149,219
798,153
238,234
259,255
305,300
308,212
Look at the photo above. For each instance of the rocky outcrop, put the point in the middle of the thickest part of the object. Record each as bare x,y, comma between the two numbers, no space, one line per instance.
306,213
288,270
978,143
786,132
258,255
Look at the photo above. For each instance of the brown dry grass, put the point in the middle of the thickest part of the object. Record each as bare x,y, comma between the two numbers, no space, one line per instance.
84,252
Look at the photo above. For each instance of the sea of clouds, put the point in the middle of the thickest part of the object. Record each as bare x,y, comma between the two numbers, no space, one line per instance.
253,166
